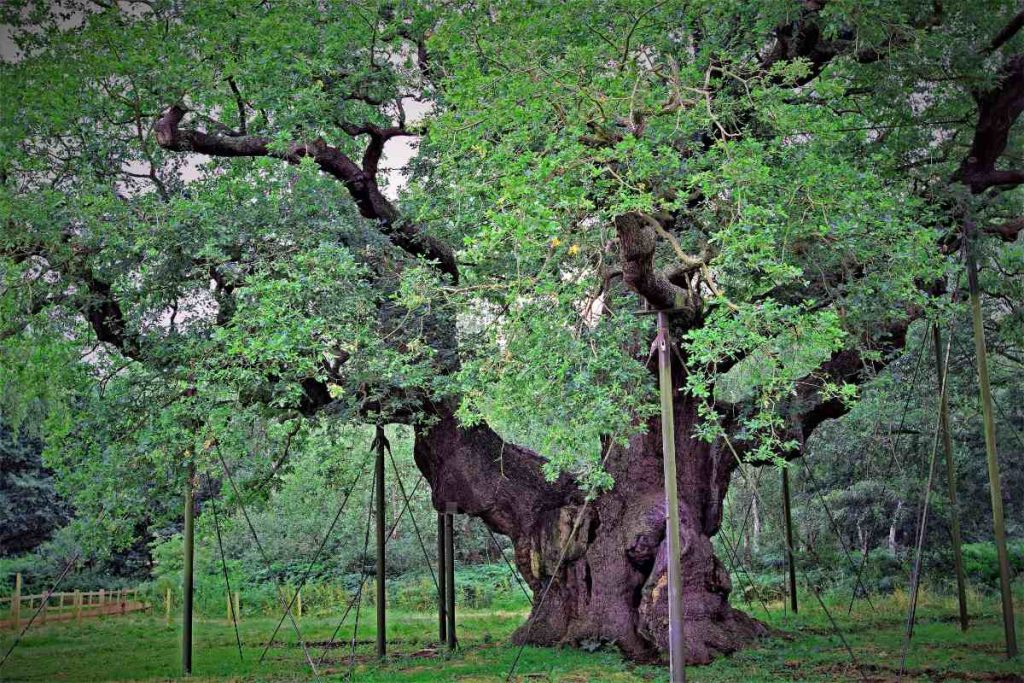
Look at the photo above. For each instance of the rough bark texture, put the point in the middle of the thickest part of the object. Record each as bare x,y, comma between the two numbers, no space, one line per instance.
610,587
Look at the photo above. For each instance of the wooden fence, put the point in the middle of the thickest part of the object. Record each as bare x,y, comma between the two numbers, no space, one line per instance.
75,605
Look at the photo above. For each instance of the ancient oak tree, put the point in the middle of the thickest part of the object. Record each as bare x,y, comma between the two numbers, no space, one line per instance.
210,227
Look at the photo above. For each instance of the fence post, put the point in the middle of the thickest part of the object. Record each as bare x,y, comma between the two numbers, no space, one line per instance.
103,600
78,607
16,603
122,595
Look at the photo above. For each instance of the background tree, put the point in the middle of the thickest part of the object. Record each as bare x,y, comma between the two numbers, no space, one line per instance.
31,509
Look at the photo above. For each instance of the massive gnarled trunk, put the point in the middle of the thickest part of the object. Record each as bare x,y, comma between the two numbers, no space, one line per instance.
610,587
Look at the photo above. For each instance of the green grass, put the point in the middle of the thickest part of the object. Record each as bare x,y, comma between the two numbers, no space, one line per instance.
143,647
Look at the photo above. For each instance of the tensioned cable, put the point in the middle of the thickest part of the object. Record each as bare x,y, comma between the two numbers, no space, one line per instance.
810,584
547,588
732,554
915,577
839,535
906,403
893,450
263,554
514,572
316,556
1006,418
42,605
558,565
415,526
565,544
351,603
363,573
227,583
366,572
46,598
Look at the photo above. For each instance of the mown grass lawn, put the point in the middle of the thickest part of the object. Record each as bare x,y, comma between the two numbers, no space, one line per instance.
145,648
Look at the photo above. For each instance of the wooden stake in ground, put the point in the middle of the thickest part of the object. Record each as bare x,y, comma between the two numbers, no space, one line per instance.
1009,628
947,445
186,591
787,517
381,509
16,603
676,637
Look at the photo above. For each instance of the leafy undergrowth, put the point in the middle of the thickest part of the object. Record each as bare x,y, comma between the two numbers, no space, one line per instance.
145,648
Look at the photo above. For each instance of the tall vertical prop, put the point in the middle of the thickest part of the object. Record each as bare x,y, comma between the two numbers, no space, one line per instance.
442,578
381,587
947,445
676,637
449,579
186,589
1009,628
787,517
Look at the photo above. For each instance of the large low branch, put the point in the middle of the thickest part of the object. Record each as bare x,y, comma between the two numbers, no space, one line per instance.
998,110
361,186
845,366
1008,231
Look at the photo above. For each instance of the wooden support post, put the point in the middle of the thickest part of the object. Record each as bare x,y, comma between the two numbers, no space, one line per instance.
298,603
123,600
449,579
238,607
998,522
381,521
227,600
442,574
947,445
167,605
78,607
16,603
187,586
787,516
676,616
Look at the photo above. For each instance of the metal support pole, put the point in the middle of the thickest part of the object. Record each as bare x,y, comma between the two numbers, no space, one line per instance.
787,516
449,579
998,523
676,636
947,445
381,587
189,550
442,578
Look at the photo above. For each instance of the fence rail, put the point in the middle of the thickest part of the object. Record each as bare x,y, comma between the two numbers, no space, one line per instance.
75,605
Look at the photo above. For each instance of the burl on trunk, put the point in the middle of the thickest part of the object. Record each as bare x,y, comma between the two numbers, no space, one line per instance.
610,587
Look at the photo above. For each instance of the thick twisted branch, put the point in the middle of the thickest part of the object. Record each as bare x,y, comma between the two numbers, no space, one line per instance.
361,185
